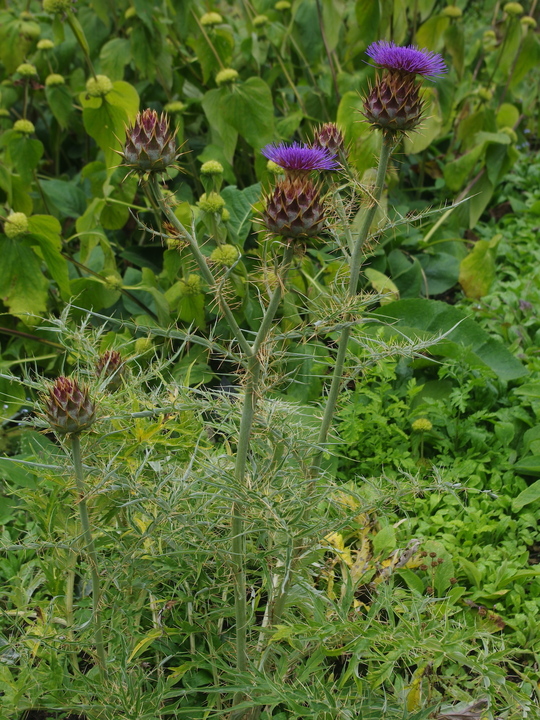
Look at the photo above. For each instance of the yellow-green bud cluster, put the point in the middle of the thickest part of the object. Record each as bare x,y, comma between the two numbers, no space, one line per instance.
143,345
282,5
452,11
176,106
191,286
225,255
130,12
511,133
211,202
273,167
225,215
513,8
260,21
4,112
422,425
27,70
30,30
45,44
99,86
212,167
56,6
210,19
114,282
15,224
528,21
226,76
54,80
489,35
485,94
24,126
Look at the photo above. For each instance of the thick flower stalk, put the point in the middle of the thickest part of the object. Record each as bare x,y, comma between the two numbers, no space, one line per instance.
299,160
150,145
394,103
295,209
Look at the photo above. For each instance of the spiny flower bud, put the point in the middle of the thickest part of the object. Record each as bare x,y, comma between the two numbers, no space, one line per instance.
513,8
225,255
329,136
150,146
26,70
211,203
54,80
394,103
294,209
24,126
45,44
452,11
191,286
422,425
210,19
226,76
15,224
110,367
212,167
99,86
56,6
68,407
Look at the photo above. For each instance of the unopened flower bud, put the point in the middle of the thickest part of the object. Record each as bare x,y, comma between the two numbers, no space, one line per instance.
211,202
422,425
452,11
513,8
54,80
329,136
528,21
143,345
191,286
485,94
294,209
4,113
226,77
24,126
260,21
15,224
282,5
225,215
110,367
176,106
45,44
68,407
26,70
225,255
210,19
99,86
56,6
114,282
130,13
212,167
150,145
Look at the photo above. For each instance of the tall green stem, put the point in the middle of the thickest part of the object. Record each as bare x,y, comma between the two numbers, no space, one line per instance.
246,424
91,552
356,263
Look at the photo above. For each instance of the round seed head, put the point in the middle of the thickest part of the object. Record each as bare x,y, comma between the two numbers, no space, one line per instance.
45,44
26,70
452,11
56,6
226,76
176,106
260,21
15,224
513,8
528,21
422,425
24,126
211,202
210,19
282,5
191,286
68,407
212,167
225,255
54,80
99,86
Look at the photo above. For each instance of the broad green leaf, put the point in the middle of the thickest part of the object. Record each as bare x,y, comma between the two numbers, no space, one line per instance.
12,397
223,134
106,124
482,192
532,493
114,56
430,34
61,103
363,142
406,273
426,319
384,541
123,95
68,199
429,128
368,17
249,108
332,12
240,206
23,288
222,44
477,270
457,171
441,271
25,153
382,284
528,58
46,230
454,41
507,115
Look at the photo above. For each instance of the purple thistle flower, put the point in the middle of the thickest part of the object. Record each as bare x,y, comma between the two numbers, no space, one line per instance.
409,59
299,159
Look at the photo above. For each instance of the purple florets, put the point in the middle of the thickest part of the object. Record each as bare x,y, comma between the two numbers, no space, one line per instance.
298,158
408,59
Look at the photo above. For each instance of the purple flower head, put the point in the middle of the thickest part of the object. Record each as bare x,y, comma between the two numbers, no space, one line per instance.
408,59
299,159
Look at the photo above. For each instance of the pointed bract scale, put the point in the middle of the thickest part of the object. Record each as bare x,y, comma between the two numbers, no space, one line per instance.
295,209
110,367
68,407
330,137
150,145
394,103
